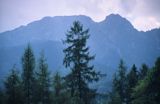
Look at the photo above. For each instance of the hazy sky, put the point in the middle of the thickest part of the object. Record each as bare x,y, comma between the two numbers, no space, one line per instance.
143,14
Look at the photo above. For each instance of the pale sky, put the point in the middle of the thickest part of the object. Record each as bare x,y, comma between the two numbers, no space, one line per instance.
143,14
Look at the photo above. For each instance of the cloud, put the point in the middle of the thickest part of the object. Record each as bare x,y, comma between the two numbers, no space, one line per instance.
128,5
143,14
141,23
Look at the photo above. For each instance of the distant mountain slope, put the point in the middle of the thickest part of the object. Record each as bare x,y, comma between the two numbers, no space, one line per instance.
110,40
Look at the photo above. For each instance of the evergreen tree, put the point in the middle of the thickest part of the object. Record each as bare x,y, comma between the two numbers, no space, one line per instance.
143,71
2,96
77,58
13,88
43,82
154,84
132,79
60,95
114,97
122,82
28,75
147,91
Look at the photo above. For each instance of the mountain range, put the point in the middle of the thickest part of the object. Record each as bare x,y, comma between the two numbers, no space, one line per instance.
110,40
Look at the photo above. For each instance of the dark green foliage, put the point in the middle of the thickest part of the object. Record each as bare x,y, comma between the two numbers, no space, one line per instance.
13,88
132,76
148,90
143,71
60,93
28,75
136,87
2,96
121,81
77,58
154,88
114,96
43,82
119,86
132,79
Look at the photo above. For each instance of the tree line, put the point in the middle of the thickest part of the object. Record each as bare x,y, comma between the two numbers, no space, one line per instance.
35,84
136,86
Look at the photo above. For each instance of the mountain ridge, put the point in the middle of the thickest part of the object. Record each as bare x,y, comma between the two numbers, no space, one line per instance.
54,28
50,17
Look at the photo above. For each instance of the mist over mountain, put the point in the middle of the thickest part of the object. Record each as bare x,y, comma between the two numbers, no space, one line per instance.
110,40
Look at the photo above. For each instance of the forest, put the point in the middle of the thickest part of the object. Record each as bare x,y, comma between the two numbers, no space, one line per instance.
35,84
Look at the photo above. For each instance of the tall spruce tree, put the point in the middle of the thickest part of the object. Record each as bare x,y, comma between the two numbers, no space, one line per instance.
43,82
28,75
122,82
77,58
13,88
132,79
